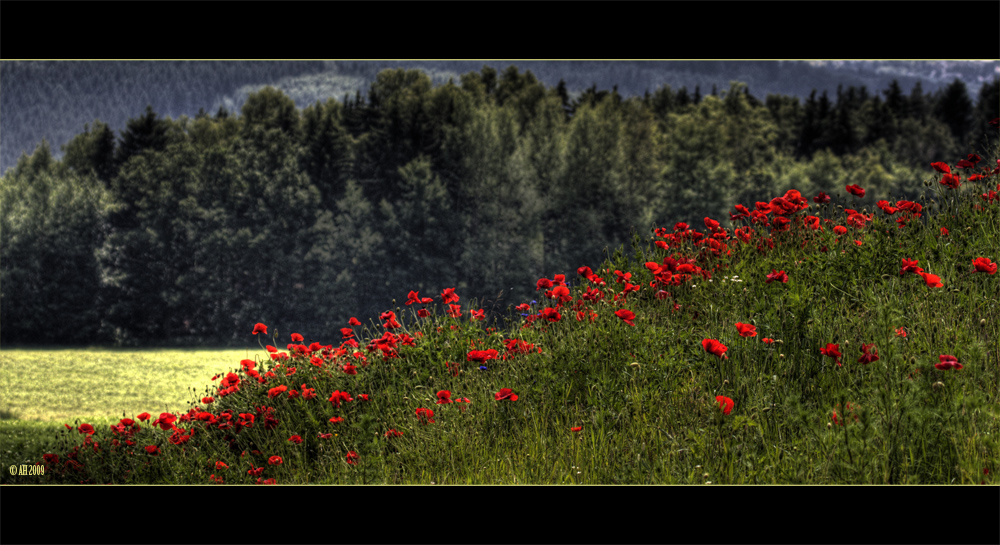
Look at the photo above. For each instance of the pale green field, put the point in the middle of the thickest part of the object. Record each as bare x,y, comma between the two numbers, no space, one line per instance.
59,386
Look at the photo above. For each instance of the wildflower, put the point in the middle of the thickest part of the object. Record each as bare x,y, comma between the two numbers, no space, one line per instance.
944,231
352,457
910,266
840,230
425,416
626,315
271,349
941,167
746,330
951,182
822,198
393,433
711,224
349,369
275,460
353,321
444,396
448,296
482,355
297,439
505,393
337,396
932,280
324,435
414,297
780,276
832,351
767,340
481,313
725,404
855,190
86,428
260,328
713,346
900,332
462,402
983,264
867,358
551,314
275,392
153,449
296,338
576,429
947,362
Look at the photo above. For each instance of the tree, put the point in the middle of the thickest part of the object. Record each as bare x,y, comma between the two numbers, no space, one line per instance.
142,133
92,151
953,107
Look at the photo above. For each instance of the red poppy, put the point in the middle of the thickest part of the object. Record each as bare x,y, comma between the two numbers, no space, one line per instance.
86,428
950,181
444,397
780,276
576,429
944,231
165,421
867,358
153,449
324,435
423,313
337,396
353,321
349,369
336,419
393,433
414,297
482,355
713,346
855,190
275,392
711,224
680,226
505,393
260,328
725,404
900,332
481,313
296,338
941,167
822,198
983,264
144,416
297,439
910,265
626,315
832,351
767,340
462,402
746,330
551,314
448,296
932,280
947,362
543,283
275,460
425,416
352,457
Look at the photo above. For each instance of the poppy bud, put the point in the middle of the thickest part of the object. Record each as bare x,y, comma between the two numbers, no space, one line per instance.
982,322
913,359
782,356
937,385
634,364
829,424
705,475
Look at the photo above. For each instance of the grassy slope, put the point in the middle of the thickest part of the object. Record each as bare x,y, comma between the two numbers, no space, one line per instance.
644,395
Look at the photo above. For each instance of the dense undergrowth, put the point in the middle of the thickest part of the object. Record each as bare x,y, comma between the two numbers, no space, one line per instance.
811,342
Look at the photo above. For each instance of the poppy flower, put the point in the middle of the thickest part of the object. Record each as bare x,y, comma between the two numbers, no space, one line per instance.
393,433
780,276
296,338
867,358
337,396
832,351
260,328
551,314
855,190
336,419
910,265
543,283
153,449
983,264
725,404
944,231
626,315
713,346
297,439
767,340
444,396
86,428
947,362
822,198
462,402
482,355
324,435
275,392
144,416
353,321
839,229
680,226
932,280
941,167
711,224
746,330
448,296
950,181
352,457
275,460
425,416
505,393
576,429
900,332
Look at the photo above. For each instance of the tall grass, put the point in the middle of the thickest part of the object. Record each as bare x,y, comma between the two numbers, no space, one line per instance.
600,400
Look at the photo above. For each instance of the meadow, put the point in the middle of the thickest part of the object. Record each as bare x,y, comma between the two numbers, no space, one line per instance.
820,339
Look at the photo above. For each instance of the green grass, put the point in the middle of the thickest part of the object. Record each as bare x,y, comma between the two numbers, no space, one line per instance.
644,395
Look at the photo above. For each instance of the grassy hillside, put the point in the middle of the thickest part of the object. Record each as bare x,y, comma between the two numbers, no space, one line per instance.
810,342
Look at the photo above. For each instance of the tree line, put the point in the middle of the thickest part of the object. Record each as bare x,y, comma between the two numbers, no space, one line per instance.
190,230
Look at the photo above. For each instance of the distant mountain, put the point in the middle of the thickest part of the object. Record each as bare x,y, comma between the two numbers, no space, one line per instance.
55,99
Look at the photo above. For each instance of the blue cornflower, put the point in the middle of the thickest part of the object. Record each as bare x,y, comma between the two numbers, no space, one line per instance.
482,367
